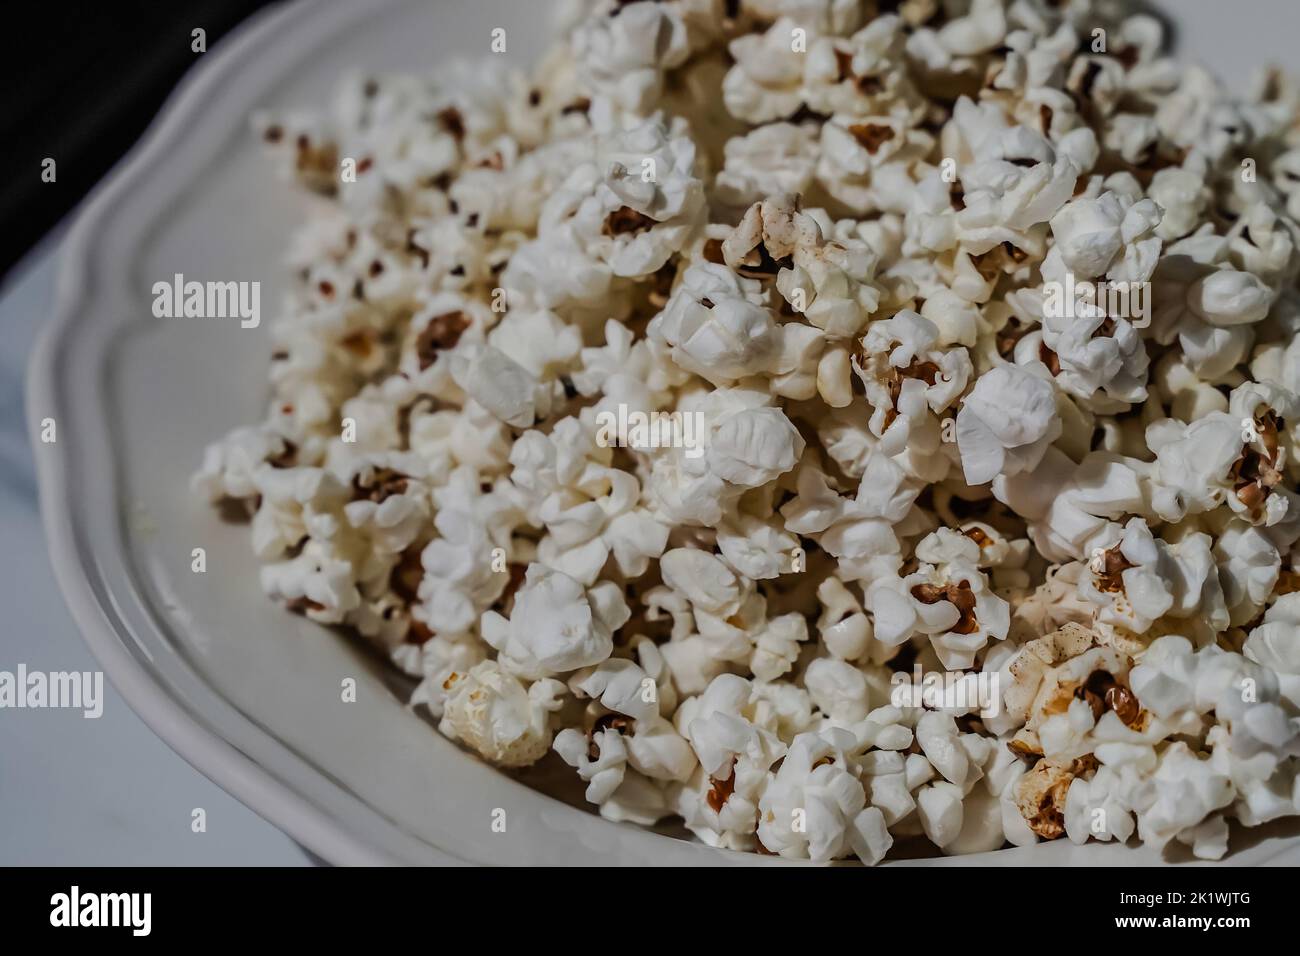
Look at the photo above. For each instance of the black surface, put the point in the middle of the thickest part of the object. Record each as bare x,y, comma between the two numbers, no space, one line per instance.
1033,908
80,82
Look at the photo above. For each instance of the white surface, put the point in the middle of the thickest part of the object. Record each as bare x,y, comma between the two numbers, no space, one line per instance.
246,692
78,792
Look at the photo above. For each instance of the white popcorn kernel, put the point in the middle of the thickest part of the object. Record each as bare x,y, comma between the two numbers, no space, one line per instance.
1096,809
1182,196
809,808
939,806
1187,789
754,446
869,837
776,158
714,327
494,713
776,646
844,628
838,688
1006,424
981,825
1273,644
435,661
316,580
757,549
605,773
1229,298
977,32
719,727
625,57
1208,839
657,751
705,581
765,83
1107,235
557,625
619,685
499,384
937,736
228,465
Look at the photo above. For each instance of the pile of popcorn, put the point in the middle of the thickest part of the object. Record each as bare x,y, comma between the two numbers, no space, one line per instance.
829,230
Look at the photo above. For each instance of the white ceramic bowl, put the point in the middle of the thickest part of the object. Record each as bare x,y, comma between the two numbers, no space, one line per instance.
247,693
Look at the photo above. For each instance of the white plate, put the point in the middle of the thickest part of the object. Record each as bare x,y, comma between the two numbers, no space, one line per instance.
247,693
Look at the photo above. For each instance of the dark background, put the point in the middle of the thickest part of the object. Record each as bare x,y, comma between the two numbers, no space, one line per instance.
80,82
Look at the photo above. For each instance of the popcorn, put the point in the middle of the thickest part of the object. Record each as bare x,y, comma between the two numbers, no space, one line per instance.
588,508
845,629
754,446
979,31
604,773
630,733
637,203
757,548
852,271
1006,424
389,506
778,157
437,660
1249,568
1273,645
950,602
1209,317
705,580
816,810
557,625
1104,236
1068,505
318,582
906,378
838,689
1042,794
1090,352
499,384
1187,790
1182,197
458,582
1230,458
766,82
716,325
936,735
1141,579
718,725
625,57
1096,808
228,465
939,809
981,826
495,714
